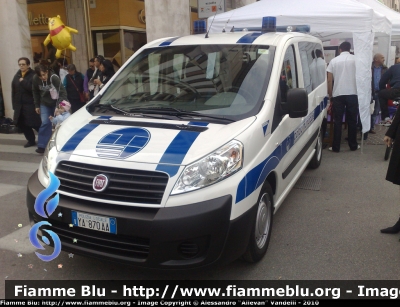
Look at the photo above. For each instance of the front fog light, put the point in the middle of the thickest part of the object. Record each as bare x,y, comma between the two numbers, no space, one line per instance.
213,168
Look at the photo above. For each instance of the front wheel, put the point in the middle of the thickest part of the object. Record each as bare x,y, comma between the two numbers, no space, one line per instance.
261,233
316,159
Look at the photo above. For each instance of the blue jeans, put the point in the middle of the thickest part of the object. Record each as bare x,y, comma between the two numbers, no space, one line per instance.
377,109
45,129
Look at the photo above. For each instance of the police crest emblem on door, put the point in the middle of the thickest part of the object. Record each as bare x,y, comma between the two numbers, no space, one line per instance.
122,143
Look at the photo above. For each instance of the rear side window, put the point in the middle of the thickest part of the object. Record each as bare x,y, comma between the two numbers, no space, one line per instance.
313,64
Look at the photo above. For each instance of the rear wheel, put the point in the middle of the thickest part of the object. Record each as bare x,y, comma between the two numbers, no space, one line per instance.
316,159
261,233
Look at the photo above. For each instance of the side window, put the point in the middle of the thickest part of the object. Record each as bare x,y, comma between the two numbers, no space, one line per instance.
313,64
288,78
307,55
321,65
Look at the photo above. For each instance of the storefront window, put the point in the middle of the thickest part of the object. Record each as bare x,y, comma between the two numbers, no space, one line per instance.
107,43
133,41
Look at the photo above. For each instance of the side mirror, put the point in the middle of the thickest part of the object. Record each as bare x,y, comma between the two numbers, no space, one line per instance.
297,102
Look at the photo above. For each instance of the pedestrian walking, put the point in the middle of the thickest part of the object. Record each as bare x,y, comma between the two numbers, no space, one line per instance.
88,76
73,84
378,69
107,71
96,75
47,91
342,93
391,77
25,116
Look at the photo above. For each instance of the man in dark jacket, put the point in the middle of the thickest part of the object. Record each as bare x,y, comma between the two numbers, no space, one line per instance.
43,83
377,70
73,84
25,116
88,76
96,75
393,172
391,77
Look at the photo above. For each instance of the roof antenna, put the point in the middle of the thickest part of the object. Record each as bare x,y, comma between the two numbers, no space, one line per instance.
229,19
213,20
223,30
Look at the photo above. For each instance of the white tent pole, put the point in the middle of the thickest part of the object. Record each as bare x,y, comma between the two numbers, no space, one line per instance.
363,45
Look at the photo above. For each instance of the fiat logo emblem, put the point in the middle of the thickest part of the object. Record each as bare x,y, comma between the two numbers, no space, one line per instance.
100,183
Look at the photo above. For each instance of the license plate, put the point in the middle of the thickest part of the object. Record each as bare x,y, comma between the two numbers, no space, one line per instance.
94,222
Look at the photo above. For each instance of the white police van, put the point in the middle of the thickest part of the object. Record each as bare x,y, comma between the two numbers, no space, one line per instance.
184,156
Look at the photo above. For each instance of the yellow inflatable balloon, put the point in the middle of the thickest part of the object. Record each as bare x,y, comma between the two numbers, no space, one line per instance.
60,35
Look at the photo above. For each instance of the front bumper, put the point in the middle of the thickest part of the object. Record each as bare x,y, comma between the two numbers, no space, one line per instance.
194,235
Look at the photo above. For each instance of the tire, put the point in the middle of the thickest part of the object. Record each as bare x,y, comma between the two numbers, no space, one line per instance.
387,152
262,226
316,159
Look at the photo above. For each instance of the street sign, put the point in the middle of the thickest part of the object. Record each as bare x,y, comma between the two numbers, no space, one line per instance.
207,8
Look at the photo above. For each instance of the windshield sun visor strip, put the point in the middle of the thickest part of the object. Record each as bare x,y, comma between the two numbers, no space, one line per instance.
176,152
249,38
169,41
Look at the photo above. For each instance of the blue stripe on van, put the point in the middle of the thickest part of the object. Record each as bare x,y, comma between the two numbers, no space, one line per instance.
249,38
176,152
256,177
169,41
203,124
75,140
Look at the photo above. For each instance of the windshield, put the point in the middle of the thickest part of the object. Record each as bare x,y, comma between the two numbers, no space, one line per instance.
211,81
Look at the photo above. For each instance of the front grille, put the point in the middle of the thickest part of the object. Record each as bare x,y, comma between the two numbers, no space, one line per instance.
132,247
125,185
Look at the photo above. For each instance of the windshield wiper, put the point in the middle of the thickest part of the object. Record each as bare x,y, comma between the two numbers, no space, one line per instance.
118,110
177,112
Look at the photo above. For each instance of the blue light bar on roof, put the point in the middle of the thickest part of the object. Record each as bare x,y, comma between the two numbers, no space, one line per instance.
199,26
268,24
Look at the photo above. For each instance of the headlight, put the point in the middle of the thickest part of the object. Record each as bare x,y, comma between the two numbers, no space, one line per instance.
46,161
213,168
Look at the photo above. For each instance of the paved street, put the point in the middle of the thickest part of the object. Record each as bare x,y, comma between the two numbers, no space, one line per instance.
329,233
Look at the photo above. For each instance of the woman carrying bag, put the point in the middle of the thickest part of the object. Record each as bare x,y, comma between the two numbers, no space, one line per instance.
73,84
47,92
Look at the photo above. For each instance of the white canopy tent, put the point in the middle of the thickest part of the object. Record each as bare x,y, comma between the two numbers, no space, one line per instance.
327,19
393,16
